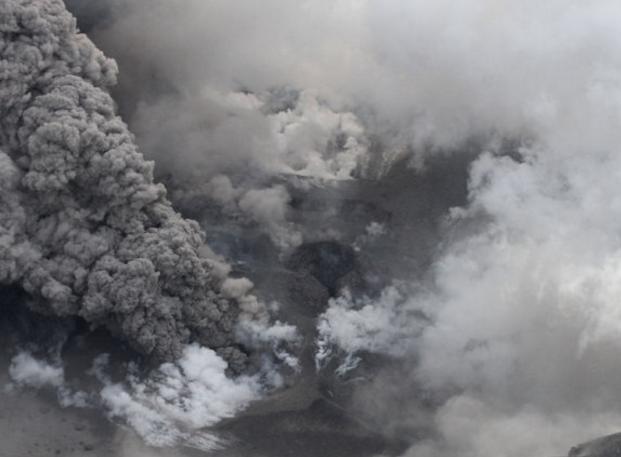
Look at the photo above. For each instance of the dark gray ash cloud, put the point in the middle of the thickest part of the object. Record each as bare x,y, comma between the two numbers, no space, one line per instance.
84,229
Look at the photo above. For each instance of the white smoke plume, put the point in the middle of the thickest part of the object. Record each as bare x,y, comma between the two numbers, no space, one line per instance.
175,404
387,325
179,399
524,312
26,370
419,73
29,371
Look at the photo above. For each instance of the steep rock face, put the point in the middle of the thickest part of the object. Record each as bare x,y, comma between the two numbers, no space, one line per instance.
84,230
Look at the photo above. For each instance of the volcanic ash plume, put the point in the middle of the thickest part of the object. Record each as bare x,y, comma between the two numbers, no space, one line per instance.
483,317
84,230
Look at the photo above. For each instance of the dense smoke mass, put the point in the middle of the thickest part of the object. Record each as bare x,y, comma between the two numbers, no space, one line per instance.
85,230
328,227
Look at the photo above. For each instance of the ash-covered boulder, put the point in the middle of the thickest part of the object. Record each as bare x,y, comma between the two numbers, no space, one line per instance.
84,230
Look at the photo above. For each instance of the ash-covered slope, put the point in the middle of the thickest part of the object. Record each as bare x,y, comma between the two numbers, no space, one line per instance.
84,230
607,446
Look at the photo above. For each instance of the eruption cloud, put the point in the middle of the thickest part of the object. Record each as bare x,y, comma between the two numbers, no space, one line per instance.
304,137
85,230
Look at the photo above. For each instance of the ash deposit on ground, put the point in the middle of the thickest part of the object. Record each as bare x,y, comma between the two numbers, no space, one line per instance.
310,228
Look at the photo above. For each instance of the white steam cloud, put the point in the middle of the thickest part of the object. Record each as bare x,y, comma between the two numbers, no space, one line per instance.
29,371
179,399
174,405
416,73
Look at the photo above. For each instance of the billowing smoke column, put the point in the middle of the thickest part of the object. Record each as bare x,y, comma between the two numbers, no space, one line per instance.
505,345
84,230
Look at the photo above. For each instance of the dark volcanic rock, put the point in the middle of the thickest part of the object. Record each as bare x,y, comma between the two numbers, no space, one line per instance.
327,261
300,293
608,446
323,429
